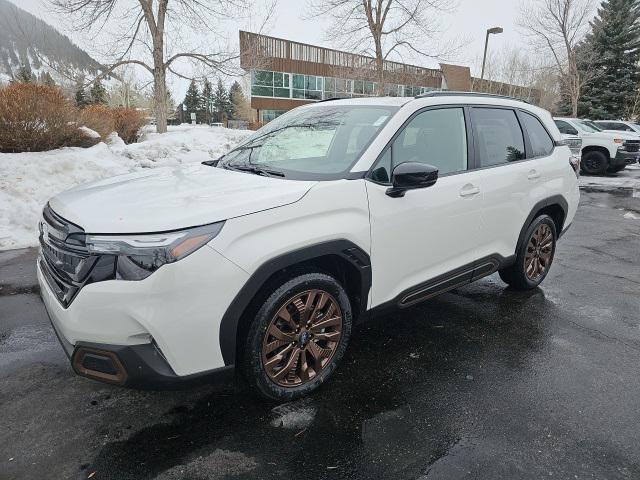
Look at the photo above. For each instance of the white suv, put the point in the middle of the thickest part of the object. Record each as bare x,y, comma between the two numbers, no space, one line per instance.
602,152
265,258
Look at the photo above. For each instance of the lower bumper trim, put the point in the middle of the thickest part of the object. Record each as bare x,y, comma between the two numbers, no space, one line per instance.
138,366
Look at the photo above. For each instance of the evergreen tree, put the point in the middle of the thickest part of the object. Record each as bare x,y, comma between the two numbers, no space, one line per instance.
24,74
81,96
238,100
221,103
47,79
192,100
207,100
98,93
614,45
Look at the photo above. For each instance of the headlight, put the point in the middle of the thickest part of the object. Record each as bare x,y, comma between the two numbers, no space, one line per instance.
138,256
617,140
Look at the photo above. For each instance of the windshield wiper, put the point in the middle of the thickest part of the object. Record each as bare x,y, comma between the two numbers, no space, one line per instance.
267,172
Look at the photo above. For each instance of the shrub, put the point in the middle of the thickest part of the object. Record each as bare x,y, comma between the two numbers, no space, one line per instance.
98,118
35,118
128,122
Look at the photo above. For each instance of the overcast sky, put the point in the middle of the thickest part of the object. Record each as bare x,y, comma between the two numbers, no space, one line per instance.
469,22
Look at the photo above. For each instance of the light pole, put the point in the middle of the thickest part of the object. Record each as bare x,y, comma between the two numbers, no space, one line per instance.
495,31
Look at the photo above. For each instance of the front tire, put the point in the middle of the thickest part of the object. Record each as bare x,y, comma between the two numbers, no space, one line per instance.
534,255
298,337
594,163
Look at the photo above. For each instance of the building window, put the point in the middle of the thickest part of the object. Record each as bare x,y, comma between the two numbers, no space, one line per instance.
270,84
265,83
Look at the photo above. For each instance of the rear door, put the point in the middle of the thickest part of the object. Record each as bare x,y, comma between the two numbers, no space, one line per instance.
513,174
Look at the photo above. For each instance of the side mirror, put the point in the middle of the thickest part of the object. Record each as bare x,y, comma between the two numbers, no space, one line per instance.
411,175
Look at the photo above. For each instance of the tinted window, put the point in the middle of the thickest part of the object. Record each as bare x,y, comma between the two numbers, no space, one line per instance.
565,128
541,142
434,137
499,136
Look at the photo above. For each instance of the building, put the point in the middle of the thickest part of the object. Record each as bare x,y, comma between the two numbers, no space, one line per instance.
286,74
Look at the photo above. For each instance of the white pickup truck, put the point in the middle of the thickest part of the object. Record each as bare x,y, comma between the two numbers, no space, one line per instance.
602,151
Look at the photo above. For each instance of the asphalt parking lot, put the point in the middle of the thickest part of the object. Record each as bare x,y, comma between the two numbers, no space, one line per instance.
480,383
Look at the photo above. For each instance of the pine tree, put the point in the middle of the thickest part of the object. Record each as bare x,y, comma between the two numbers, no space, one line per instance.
47,79
221,103
24,74
192,100
238,101
614,43
98,93
207,100
81,96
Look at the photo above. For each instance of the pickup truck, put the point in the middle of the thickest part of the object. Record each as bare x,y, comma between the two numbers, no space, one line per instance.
602,152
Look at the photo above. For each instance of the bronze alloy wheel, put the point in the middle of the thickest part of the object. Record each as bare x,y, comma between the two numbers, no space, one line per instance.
539,252
302,338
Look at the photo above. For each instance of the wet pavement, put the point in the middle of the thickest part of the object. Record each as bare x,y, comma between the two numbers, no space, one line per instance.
480,383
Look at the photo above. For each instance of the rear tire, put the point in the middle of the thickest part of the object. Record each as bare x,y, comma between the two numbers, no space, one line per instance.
594,163
297,337
534,255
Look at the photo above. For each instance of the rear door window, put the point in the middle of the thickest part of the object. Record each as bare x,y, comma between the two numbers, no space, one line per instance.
498,136
541,143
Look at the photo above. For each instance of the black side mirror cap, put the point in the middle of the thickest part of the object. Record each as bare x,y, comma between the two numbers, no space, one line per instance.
410,176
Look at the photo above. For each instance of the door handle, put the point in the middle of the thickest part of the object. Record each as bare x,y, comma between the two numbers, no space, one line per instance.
469,190
533,175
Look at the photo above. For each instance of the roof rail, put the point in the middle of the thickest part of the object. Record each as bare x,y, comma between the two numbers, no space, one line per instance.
448,93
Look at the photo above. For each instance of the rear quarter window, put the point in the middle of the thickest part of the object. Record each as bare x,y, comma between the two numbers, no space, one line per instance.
541,142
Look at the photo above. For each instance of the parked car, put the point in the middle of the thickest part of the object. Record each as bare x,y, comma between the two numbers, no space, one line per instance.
602,151
330,214
618,126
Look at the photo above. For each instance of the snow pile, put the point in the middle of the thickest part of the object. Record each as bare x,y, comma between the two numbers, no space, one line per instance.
628,178
296,415
28,180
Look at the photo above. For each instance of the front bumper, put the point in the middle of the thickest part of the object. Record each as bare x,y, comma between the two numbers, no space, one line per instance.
164,328
625,158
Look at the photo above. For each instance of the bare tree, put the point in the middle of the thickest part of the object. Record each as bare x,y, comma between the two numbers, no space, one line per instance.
559,26
152,34
385,28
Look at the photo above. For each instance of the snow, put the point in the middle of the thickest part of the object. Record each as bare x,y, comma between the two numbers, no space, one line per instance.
293,416
628,179
631,216
28,180
89,133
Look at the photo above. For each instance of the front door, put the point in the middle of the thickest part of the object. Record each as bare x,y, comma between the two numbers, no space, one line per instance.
431,231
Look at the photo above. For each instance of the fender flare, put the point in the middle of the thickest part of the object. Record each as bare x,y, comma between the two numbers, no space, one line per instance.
345,249
553,200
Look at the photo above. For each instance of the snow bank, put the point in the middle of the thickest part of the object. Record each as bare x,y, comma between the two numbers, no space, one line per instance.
628,178
28,180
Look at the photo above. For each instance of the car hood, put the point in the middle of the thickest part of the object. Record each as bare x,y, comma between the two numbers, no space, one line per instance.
172,198
623,135
604,135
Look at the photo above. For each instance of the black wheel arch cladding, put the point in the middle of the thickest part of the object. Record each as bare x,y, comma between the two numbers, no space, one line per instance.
346,250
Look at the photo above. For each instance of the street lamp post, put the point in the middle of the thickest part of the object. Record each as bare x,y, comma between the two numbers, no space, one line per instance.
495,31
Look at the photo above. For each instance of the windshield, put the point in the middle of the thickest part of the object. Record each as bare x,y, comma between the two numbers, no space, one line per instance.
318,143
586,126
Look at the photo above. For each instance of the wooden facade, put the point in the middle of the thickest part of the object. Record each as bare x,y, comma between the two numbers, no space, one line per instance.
261,52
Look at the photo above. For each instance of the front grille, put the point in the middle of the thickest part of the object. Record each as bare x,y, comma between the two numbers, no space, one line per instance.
632,145
64,259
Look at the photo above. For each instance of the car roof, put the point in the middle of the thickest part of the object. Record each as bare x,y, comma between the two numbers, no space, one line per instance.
434,98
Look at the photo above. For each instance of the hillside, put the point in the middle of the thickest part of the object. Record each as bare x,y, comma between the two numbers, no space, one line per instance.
25,40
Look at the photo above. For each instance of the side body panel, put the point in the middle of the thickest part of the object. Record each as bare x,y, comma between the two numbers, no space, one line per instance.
422,235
